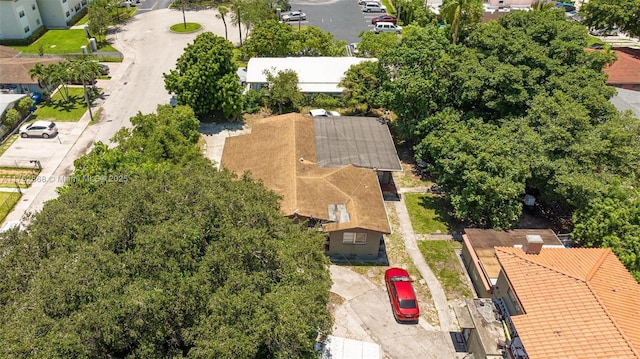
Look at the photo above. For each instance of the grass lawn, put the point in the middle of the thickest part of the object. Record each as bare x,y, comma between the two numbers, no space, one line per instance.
10,177
428,213
59,110
7,143
62,42
7,201
190,27
443,260
83,21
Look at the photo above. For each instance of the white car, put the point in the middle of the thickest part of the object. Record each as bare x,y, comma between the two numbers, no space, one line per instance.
320,112
294,16
44,129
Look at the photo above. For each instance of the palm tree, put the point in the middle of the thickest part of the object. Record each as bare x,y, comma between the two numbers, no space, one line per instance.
40,73
86,71
222,12
236,16
461,13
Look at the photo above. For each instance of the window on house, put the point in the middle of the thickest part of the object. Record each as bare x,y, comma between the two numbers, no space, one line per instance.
33,7
354,238
26,29
37,21
67,14
21,13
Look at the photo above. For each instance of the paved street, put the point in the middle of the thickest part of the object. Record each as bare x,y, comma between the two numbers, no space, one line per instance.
137,85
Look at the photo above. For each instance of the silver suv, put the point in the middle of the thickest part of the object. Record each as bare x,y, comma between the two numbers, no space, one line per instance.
43,129
387,27
371,6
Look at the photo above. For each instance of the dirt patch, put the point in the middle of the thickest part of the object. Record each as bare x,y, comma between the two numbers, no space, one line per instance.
335,301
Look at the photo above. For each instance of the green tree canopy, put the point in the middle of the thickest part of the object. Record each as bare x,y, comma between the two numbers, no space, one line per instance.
283,93
605,14
459,103
612,221
205,78
174,258
271,38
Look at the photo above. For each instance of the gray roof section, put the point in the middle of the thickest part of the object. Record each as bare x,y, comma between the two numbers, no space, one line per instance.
627,100
360,141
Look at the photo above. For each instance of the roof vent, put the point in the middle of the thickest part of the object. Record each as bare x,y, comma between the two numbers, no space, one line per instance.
533,245
338,213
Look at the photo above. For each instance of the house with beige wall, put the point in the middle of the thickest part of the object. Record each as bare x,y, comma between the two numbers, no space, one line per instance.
343,200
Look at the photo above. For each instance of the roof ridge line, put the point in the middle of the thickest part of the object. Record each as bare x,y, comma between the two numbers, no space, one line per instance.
612,318
294,154
543,265
598,263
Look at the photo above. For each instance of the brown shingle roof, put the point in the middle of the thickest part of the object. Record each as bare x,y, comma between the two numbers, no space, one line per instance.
577,303
16,70
484,242
280,151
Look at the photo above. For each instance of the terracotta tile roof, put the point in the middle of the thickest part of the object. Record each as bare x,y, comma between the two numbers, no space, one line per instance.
577,303
484,241
16,70
626,70
280,151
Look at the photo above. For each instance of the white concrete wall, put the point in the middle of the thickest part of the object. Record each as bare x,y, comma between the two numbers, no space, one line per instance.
12,25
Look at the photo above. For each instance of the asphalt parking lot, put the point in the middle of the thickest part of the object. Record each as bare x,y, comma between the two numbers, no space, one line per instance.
343,18
41,149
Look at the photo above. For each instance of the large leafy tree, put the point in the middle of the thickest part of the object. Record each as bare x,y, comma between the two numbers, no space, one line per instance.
268,39
168,257
612,221
205,78
283,93
373,45
360,83
528,68
484,169
414,77
461,16
99,18
605,14
273,39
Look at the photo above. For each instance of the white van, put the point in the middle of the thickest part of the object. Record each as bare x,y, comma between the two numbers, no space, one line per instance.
387,27
372,6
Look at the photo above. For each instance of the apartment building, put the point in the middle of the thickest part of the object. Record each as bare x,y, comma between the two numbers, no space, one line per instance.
20,18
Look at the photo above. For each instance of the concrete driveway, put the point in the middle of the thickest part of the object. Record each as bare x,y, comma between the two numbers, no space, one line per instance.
366,315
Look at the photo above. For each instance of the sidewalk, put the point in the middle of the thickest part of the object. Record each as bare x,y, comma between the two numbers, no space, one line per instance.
445,317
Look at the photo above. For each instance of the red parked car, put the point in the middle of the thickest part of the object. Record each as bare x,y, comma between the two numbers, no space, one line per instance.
384,18
403,298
